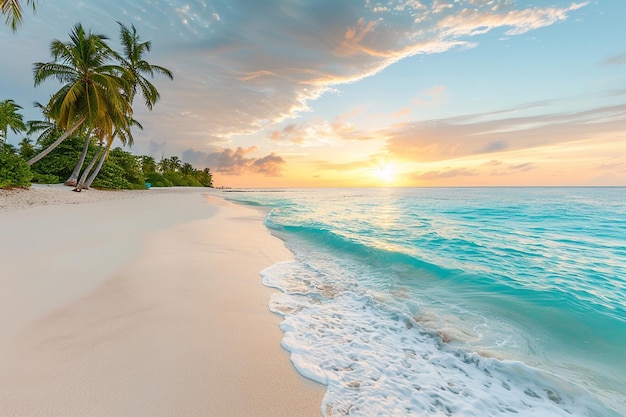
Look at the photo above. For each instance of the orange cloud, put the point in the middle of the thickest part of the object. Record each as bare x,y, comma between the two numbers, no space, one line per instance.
436,140
236,162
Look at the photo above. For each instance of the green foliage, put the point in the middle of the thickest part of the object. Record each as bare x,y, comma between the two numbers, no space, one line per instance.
27,150
12,12
60,162
191,181
14,171
204,177
45,178
128,162
120,170
111,177
10,118
93,90
157,180
148,164
175,178
184,174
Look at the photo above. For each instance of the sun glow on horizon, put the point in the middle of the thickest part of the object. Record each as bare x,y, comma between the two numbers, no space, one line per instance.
385,172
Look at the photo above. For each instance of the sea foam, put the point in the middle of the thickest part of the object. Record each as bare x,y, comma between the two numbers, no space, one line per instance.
379,362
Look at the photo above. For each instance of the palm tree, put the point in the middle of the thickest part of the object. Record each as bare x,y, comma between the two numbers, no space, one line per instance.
12,9
148,164
73,178
187,169
133,61
10,119
26,148
99,157
46,126
167,165
164,165
93,93
123,132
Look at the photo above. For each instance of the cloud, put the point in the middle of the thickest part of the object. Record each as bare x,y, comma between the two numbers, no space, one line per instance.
434,95
262,65
342,166
614,165
318,132
476,134
242,66
477,21
615,60
236,162
447,173
508,169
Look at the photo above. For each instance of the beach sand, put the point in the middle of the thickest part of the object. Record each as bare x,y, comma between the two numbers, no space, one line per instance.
140,303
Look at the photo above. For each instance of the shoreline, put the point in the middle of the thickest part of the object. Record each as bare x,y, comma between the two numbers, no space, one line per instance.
152,304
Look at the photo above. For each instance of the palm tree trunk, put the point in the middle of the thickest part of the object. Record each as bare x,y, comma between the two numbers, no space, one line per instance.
83,178
84,185
73,179
95,173
56,142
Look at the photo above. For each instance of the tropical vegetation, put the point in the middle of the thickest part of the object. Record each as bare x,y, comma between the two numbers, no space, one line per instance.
92,108
10,119
121,170
12,12
14,172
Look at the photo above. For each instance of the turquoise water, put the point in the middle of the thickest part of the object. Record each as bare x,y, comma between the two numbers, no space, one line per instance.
454,301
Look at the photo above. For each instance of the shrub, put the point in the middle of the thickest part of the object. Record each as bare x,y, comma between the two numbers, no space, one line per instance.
190,181
175,178
120,170
60,162
157,180
111,176
130,166
14,171
45,178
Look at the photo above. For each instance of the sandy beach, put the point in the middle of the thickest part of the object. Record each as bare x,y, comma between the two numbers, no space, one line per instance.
140,303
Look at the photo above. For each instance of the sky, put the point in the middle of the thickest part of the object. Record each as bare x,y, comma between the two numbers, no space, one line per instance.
350,93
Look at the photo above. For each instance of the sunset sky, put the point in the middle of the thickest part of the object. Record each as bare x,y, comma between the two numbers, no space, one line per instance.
318,93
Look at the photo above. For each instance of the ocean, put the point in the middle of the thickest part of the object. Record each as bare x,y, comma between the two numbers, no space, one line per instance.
454,301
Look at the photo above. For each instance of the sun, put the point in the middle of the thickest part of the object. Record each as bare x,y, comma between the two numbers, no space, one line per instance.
385,172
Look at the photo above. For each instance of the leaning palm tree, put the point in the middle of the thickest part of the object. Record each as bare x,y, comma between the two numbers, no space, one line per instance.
137,67
123,132
73,178
93,91
45,129
12,10
132,60
10,119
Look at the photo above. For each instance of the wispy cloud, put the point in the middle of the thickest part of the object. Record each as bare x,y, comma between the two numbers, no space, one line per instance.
615,60
435,95
317,132
256,65
501,169
443,139
480,20
442,174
